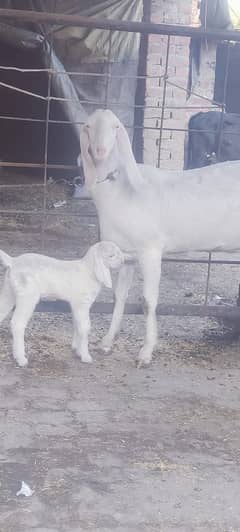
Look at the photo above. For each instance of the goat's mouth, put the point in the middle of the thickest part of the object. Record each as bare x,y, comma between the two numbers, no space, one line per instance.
99,158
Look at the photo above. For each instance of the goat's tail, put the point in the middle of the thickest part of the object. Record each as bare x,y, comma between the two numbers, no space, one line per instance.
5,259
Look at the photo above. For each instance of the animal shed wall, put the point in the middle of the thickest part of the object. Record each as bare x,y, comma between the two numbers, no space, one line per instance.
177,108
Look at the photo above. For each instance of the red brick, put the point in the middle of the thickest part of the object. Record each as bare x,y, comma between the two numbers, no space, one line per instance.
175,11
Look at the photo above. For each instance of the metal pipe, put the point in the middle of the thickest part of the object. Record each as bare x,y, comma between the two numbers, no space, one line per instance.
163,101
179,30
45,169
39,165
221,311
208,278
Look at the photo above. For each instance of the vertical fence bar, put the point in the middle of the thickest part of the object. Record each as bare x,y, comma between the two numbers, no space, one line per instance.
108,73
223,105
139,111
108,77
208,278
163,101
219,141
44,219
45,162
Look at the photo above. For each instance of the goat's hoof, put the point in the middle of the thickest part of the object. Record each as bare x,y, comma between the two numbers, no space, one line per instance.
142,363
106,344
22,362
106,349
143,360
87,360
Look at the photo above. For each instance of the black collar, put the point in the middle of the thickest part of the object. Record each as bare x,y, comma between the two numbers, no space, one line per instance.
110,177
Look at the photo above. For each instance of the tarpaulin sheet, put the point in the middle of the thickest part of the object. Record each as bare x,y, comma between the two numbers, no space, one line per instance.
215,14
85,51
222,14
234,9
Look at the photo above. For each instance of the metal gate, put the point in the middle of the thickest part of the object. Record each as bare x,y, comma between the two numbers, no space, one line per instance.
146,28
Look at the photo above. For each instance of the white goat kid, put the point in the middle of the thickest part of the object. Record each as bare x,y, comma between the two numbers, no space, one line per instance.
31,277
150,211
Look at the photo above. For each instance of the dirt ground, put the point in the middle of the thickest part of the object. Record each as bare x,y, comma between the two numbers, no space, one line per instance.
108,447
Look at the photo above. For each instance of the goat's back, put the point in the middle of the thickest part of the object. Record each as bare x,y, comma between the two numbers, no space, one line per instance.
181,210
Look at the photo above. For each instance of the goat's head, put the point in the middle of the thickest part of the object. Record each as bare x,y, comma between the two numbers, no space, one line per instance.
101,129
99,135
105,255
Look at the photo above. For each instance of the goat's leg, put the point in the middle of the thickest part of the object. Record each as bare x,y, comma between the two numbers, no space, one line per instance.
82,325
150,262
7,299
75,335
123,284
25,305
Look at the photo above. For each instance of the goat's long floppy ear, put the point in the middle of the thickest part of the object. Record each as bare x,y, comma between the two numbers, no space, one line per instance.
88,165
101,271
125,149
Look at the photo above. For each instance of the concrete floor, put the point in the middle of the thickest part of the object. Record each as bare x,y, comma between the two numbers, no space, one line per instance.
107,447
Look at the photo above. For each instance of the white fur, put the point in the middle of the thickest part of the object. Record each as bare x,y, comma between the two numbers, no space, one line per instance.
151,212
31,277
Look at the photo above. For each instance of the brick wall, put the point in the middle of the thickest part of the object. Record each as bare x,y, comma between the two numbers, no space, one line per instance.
167,150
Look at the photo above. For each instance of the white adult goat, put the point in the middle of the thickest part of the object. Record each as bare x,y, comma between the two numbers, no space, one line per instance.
151,211
30,277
